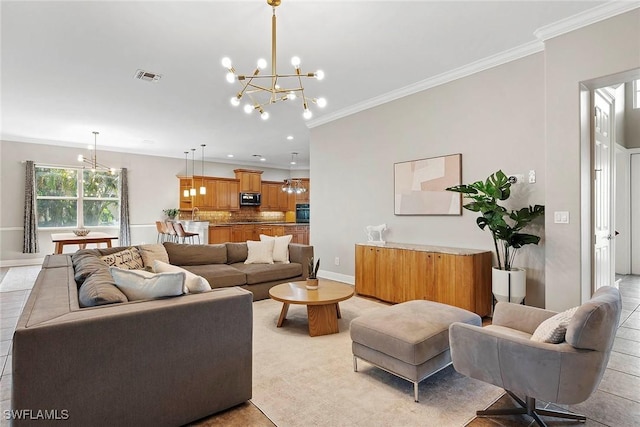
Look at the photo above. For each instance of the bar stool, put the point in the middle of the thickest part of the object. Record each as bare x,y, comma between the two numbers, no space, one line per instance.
184,235
162,231
171,231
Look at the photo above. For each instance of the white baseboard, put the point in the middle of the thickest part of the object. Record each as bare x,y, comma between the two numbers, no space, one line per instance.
324,274
21,262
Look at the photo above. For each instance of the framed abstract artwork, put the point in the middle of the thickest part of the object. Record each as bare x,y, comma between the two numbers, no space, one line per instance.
419,186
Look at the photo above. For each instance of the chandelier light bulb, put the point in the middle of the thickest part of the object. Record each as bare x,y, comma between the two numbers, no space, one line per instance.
235,101
292,95
80,158
226,62
319,74
262,63
307,114
248,108
295,61
321,102
231,78
264,116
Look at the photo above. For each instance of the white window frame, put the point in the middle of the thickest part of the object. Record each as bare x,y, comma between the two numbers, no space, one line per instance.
636,94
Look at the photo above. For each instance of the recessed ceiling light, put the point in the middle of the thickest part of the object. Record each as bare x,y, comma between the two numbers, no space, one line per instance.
229,155
290,137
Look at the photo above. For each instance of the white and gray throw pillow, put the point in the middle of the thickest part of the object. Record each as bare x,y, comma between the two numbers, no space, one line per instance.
554,328
142,285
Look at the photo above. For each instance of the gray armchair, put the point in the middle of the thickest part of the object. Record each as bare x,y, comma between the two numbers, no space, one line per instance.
504,355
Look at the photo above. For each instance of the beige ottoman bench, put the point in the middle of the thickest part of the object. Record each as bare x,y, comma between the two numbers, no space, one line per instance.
410,340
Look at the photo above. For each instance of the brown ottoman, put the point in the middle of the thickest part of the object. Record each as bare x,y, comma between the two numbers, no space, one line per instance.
410,340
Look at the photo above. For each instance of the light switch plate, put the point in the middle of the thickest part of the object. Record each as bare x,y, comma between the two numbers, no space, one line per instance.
561,217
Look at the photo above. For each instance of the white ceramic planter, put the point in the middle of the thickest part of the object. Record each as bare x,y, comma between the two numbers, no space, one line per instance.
500,281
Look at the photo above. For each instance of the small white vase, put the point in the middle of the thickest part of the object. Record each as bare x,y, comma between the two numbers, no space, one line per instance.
515,279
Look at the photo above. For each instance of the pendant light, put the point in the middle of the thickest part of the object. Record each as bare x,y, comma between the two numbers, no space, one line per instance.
203,189
192,190
185,193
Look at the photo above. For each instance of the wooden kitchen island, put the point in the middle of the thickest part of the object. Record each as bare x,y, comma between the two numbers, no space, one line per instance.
397,272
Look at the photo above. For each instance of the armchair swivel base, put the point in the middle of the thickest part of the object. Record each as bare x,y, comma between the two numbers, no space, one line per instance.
529,408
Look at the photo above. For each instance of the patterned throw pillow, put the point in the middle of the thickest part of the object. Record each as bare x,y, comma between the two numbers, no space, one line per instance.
128,259
554,328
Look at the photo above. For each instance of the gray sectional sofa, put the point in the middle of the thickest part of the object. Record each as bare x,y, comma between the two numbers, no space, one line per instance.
156,362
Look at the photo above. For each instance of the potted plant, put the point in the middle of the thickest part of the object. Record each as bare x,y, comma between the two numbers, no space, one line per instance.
171,213
312,280
505,226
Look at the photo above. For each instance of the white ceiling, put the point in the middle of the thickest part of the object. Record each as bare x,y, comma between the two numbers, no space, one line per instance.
68,67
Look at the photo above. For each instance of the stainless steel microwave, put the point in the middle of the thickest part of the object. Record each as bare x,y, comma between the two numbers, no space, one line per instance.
249,199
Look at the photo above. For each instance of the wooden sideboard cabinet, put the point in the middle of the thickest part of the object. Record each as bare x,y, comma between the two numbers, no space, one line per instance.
401,272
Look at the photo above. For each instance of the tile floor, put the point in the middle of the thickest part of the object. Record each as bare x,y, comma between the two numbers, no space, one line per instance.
615,403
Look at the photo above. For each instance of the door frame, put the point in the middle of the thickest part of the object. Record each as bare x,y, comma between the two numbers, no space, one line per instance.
587,141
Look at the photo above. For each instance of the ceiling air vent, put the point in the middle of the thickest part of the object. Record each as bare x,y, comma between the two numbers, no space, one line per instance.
147,76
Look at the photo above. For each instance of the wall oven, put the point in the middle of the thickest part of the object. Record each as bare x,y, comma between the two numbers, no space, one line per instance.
302,212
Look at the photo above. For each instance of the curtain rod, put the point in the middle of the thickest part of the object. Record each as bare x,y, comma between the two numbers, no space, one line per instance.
49,165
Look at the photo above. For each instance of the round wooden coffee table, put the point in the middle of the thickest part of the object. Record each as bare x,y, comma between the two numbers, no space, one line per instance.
323,310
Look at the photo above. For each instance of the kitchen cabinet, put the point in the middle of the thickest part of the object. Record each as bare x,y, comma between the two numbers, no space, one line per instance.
274,199
250,180
219,234
221,194
243,232
300,233
402,272
185,201
304,197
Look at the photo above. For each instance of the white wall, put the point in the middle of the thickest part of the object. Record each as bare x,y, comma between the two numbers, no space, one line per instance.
153,186
494,118
604,48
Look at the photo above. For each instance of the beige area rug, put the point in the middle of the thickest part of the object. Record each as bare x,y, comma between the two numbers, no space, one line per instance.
300,380
19,278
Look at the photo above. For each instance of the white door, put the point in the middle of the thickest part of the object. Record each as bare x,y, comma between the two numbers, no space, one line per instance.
603,271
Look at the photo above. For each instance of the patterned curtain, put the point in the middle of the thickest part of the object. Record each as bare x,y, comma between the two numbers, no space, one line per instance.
125,229
30,245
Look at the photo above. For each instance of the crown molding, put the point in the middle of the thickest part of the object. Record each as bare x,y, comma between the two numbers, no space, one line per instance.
588,17
458,73
591,16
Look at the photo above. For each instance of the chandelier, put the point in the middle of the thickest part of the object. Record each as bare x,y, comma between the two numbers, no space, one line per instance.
93,161
293,186
260,95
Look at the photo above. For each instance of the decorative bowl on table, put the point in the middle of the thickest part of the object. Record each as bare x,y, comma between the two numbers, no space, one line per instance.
81,231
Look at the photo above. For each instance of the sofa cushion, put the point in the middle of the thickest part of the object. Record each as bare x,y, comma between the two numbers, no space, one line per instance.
260,273
128,259
280,247
237,252
86,262
192,284
152,252
100,289
219,275
142,285
260,252
181,254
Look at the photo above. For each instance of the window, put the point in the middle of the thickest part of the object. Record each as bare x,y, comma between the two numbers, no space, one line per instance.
75,197
636,94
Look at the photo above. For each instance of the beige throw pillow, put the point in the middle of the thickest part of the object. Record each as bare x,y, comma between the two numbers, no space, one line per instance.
141,285
128,259
280,247
152,252
192,283
554,328
260,252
